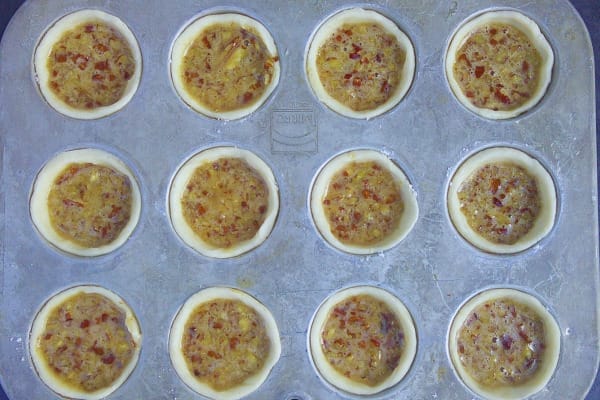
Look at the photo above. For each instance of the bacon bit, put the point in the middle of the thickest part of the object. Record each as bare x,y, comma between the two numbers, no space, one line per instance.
461,348
47,336
338,38
470,94
109,359
493,42
493,31
80,60
348,32
100,48
72,203
61,58
525,66
375,342
479,70
206,43
494,185
78,341
247,97
97,350
347,76
68,317
214,355
102,65
501,96
90,28
115,210
357,216
385,87
233,342
218,325
497,202
104,317
89,104
327,202
340,228
463,57
201,210
97,77
354,56
367,194
262,209
524,336
378,57
357,82
84,324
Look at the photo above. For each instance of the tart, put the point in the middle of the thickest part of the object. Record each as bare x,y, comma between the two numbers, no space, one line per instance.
85,342
87,64
359,63
85,202
362,203
502,200
223,202
223,343
362,340
224,66
499,64
504,344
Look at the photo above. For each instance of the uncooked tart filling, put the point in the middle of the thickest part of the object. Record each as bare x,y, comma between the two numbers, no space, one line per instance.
227,67
224,343
363,339
85,342
504,344
498,67
360,65
500,201
86,202
90,66
499,64
225,202
363,203
90,204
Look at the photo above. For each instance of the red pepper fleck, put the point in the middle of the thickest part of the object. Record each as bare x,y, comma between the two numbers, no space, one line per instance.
84,324
104,317
501,96
479,70
367,194
357,82
463,57
493,31
206,42
100,48
72,203
97,77
47,336
494,185
201,210
262,209
233,342
90,28
375,342
214,355
470,94
493,42
327,202
354,56
385,87
217,325
525,66
61,58
247,97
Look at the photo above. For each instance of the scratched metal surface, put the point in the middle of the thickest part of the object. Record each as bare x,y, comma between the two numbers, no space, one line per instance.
433,270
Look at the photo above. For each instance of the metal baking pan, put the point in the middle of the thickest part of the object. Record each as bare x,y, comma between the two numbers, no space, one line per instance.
432,271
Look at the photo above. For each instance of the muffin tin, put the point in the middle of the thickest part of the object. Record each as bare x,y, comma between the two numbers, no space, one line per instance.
432,271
